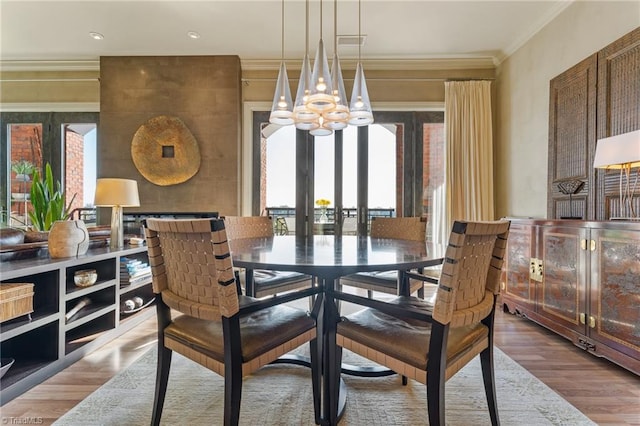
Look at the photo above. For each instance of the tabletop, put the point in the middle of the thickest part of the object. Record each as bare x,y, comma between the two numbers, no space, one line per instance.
330,256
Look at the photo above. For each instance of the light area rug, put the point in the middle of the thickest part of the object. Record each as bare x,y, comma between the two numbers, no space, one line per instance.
281,395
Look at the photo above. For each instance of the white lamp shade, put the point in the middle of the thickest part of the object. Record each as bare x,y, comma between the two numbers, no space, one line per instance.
116,192
617,152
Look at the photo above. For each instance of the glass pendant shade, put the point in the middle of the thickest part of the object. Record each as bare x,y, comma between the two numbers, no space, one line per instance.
322,129
304,118
360,113
337,117
321,94
282,107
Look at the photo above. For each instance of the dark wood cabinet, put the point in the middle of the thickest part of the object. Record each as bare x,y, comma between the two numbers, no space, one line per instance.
48,342
583,282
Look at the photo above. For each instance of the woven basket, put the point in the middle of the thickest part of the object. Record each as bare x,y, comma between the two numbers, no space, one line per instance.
16,299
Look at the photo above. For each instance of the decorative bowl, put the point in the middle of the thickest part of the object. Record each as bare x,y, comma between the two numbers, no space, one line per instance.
85,277
6,363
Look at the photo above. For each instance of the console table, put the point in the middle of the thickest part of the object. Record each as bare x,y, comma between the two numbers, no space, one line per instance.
580,279
47,343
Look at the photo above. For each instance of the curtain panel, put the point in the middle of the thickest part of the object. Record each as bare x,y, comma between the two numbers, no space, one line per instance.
469,151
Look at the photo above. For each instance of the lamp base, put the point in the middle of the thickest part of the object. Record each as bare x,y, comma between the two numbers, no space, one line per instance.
117,231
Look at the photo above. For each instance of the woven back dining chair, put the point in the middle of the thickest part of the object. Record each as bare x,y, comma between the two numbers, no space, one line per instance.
431,342
401,228
263,282
202,316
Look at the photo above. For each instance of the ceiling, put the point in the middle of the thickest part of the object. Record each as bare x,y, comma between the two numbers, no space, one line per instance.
395,29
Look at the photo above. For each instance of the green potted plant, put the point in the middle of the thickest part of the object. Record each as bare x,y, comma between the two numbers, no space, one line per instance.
23,169
47,199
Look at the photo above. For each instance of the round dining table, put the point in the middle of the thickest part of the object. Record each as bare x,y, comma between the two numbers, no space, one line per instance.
327,258
330,257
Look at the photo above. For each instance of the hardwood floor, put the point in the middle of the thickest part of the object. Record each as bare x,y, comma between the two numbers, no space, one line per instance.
606,393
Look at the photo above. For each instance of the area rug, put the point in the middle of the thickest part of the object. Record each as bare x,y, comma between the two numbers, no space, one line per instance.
281,395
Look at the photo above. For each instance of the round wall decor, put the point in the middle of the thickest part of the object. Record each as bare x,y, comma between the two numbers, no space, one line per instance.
165,151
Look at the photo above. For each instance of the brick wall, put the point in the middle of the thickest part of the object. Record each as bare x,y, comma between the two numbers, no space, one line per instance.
74,168
432,164
26,144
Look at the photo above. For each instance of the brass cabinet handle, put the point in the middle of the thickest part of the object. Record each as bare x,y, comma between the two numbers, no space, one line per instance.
582,318
593,245
592,321
583,244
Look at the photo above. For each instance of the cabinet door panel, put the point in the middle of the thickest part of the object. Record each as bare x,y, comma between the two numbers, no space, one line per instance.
562,294
518,290
572,141
615,290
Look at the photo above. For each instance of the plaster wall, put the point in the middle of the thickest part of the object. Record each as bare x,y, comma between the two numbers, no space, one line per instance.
522,113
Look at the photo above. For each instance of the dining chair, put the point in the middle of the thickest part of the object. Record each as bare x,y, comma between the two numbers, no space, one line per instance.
430,342
403,228
264,282
202,316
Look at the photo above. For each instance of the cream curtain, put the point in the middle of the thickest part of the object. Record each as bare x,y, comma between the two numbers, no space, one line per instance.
469,151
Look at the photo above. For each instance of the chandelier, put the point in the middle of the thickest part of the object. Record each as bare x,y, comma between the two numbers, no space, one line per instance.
321,104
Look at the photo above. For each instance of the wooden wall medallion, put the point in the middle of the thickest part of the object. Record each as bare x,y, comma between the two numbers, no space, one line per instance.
165,151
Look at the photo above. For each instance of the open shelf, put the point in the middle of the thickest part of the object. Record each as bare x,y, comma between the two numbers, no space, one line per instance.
47,343
31,351
90,328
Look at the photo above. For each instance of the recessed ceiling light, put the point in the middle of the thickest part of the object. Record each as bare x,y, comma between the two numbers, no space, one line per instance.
192,34
96,36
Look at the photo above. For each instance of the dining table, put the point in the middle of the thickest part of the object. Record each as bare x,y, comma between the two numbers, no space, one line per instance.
327,258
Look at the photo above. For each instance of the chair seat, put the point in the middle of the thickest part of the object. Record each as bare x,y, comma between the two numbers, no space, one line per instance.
260,331
383,281
269,282
406,339
273,278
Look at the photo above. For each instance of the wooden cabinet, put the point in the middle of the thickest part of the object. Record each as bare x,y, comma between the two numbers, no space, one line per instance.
49,341
582,281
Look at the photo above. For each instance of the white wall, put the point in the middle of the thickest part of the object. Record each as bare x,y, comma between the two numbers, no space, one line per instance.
523,97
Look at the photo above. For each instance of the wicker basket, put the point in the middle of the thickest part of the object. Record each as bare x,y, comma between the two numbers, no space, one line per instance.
16,299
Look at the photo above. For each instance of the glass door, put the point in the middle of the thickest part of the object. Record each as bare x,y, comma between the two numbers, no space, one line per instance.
384,169
31,140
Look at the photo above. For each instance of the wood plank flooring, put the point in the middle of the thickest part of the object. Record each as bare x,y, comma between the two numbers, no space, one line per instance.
606,393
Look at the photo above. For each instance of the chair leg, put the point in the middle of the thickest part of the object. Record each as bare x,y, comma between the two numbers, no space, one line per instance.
435,398
232,394
315,378
488,376
335,363
162,378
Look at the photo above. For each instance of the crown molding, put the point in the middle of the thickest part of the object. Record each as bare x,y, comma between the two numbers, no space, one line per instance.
50,106
384,64
71,65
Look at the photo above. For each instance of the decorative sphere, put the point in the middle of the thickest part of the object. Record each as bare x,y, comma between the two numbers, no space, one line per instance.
129,305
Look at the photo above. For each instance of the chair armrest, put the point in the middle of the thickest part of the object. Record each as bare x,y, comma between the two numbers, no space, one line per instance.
394,309
250,305
421,277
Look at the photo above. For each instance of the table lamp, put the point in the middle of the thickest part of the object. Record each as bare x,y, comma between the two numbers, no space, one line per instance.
621,152
116,193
